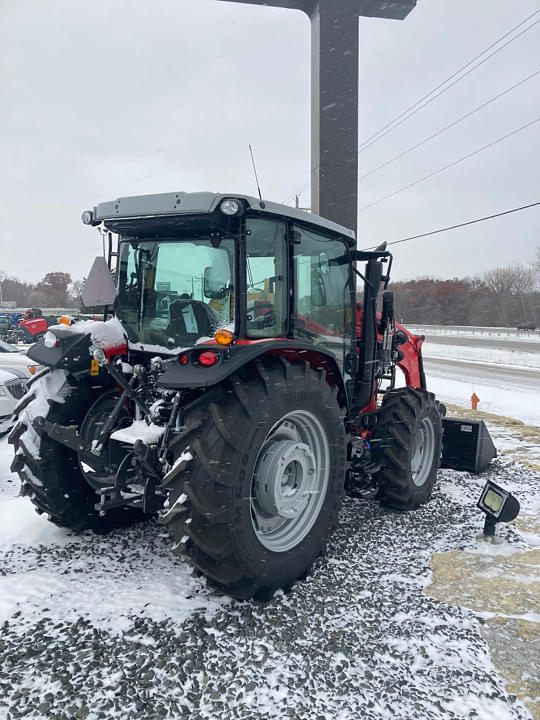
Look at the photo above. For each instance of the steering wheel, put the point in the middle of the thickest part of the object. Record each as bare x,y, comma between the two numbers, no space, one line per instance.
261,314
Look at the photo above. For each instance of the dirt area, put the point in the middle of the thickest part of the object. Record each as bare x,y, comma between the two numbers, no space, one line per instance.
501,584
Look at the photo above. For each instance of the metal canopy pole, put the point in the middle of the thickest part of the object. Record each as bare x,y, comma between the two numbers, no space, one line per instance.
334,97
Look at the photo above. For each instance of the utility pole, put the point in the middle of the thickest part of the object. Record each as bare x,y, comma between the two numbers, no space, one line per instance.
3,276
334,96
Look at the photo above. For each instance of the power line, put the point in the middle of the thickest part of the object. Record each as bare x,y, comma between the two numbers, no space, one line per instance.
447,127
298,192
400,118
446,167
460,225
390,126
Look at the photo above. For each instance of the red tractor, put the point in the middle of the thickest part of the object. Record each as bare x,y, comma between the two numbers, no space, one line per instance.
239,390
32,326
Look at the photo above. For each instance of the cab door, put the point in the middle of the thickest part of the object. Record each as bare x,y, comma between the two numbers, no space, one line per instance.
324,295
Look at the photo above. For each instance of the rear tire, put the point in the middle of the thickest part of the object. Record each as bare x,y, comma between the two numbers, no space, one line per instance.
253,508
407,443
50,473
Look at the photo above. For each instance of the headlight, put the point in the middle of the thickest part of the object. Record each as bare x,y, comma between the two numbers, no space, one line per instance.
99,356
230,206
3,392
87,217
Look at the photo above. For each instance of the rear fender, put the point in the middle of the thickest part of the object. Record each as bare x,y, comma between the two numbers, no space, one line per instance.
70,352
232,358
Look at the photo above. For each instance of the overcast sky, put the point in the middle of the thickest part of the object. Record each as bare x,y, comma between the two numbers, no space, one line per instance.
122,97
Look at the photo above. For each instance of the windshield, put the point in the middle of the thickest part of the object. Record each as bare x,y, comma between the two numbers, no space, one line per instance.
6,347
174,292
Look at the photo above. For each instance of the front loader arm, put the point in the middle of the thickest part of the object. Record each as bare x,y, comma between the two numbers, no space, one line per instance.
411,363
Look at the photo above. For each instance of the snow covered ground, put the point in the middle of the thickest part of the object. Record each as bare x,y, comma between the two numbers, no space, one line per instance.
115,626
490,373
504,356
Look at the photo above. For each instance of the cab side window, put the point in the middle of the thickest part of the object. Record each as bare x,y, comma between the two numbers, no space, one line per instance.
322,281
266,269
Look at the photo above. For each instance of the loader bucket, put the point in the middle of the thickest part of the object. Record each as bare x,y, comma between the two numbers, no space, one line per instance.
467,445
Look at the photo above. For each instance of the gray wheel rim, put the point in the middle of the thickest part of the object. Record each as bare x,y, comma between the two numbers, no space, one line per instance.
423,449
290,481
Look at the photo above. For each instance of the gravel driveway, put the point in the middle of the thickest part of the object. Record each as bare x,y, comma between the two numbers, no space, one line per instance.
116,627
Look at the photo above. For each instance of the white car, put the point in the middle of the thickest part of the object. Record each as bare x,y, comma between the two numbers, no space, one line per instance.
12,388
13,361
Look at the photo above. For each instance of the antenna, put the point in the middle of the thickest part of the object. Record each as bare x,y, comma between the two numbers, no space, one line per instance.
255,171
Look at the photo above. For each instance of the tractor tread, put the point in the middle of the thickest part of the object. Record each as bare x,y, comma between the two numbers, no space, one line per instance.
393,446
54,481
205,533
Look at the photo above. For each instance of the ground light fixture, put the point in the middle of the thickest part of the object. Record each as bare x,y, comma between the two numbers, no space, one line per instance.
499,506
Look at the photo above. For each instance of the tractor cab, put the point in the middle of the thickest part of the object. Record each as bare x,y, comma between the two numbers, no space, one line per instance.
190,265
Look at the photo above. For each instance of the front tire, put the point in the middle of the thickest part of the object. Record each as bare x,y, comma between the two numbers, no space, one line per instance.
255,504
407,443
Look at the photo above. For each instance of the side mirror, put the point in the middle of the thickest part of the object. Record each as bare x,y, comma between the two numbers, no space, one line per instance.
99,288
318,289
324,263
213,287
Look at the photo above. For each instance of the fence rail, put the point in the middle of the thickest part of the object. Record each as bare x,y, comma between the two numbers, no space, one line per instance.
471,330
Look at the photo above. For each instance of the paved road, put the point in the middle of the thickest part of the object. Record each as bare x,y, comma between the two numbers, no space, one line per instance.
515,379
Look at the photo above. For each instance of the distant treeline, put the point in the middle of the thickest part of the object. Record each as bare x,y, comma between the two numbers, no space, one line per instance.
56,289
503,297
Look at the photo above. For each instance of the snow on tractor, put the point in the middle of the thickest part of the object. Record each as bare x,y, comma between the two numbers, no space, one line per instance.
238,391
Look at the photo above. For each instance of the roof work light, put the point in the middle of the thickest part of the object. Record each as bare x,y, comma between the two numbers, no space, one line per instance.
499,506
231,206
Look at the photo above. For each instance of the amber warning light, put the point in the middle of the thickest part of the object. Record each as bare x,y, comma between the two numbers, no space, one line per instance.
224,337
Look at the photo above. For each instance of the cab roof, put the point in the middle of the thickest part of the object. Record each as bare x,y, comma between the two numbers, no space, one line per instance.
182,203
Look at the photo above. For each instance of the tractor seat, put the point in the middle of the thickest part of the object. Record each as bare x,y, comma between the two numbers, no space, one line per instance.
190,320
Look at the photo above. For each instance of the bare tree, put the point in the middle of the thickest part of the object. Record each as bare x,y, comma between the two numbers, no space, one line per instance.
536,262
511,289
75,293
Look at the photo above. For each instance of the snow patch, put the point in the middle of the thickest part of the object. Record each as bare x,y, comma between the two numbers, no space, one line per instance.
108,334
21,525
52,387
161,349
49,339
506,358
151,588
139,430
186,456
